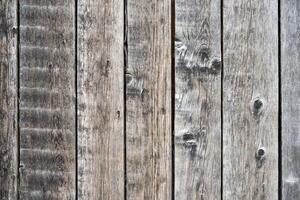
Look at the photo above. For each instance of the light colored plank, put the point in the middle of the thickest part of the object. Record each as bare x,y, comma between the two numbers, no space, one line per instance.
198,100
250,100
148,100
290,79
8,100
100,100
47,100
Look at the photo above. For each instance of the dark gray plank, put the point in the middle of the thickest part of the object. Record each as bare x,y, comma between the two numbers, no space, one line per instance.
290,79
148,100
250,100
198,100
100,100
8,100
47,99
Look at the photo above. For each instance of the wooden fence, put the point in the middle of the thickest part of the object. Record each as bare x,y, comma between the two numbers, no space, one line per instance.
150,99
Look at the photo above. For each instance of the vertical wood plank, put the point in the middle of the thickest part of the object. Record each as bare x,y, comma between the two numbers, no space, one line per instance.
47,99
290,79
250,99
198,100
100,99
8,100
148,100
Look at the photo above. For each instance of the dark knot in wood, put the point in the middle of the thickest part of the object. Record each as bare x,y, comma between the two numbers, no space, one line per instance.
257,106
260,157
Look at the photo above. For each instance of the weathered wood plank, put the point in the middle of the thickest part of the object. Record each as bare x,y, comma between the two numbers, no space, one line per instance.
198,100
250,105
8,100
100,99
148,100
290,79
47,99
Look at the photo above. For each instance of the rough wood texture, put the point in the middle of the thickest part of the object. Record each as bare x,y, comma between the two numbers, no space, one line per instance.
100,100
148,100
8,100
290,87
250,103
47,97
198,100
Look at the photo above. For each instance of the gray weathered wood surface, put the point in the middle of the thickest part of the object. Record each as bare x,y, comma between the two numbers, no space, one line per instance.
198,100
100,100
8,100
47,100
250,100
89,97
148,100
290,87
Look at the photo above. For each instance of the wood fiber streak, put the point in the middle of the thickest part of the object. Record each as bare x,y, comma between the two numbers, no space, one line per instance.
290,87
47,100
148,100
250,100
8,100
100,100
198,100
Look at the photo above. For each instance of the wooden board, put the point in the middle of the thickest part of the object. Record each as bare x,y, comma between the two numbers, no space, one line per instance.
47,99
290,87
8,100
250,100
198,100
100,100
148,100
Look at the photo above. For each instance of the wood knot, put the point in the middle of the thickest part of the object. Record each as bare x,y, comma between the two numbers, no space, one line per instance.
257,106
50,66
191,137
14,30
260,152
188,136
215,65
260,157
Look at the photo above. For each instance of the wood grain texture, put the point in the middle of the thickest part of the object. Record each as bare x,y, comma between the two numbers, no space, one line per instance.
250,100
100,100
148,100
198,100
8,100
47,99
290,87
